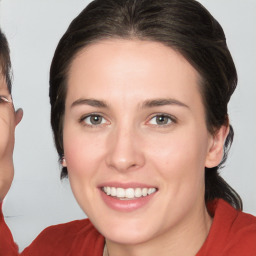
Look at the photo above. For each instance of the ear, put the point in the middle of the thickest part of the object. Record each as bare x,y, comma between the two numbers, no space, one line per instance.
18,116
216,147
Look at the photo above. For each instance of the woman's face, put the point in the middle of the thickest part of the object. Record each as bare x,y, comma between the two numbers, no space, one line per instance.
135,139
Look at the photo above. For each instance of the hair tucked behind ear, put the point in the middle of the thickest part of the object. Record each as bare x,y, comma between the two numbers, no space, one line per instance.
216,186
185,26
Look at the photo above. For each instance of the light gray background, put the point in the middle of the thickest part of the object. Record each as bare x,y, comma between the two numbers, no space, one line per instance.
38,198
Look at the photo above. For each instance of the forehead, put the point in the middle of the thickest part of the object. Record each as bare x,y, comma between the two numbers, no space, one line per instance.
2,82
131,67
1,67
123,50
3,76
2,70
2,63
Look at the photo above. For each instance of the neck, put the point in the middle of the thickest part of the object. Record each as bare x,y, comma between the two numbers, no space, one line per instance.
185,239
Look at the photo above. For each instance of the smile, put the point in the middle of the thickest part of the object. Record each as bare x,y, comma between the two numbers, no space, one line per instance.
129,193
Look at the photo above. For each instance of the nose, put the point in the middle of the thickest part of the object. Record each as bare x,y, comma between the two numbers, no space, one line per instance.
125,152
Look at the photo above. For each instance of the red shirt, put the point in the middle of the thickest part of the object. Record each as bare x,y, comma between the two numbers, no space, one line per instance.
232,233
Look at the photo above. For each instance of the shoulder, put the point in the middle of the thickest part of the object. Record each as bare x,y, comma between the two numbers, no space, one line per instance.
232,232
242,234
71,238
237,222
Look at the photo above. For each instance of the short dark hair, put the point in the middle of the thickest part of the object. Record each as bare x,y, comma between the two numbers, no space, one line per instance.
5,61
185,26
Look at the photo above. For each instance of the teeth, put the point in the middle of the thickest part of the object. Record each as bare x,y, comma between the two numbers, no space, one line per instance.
144,191
113,191
120,192
138,192
151,191
129,193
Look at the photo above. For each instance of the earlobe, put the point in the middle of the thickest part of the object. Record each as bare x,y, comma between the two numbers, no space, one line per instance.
216,147
63,161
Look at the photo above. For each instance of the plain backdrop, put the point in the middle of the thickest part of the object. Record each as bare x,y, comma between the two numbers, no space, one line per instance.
37,197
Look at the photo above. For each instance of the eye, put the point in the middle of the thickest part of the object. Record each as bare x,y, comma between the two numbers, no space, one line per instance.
161,120
93,120
3,99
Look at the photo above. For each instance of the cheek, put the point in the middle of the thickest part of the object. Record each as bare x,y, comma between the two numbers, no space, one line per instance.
81,151
84,155
179,146
181,156
82,158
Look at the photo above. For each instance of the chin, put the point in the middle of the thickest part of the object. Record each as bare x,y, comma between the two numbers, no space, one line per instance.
129,237
128,231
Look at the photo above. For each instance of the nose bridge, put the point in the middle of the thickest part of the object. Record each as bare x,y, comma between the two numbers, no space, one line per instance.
124,152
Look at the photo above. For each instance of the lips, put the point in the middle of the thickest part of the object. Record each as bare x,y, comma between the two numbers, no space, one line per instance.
127,197
128,193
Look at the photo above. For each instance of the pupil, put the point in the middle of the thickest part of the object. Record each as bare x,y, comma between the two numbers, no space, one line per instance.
96,119
162,120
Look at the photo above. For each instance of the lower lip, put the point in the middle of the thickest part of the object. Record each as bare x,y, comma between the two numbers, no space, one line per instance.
125,205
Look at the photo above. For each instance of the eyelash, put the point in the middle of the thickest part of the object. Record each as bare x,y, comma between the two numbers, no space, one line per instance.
171,120
83,118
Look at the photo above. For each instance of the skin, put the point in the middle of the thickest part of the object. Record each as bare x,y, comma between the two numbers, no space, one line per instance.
8,121
130,146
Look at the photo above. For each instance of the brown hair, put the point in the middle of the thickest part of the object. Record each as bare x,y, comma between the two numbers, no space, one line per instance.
5,61
183,25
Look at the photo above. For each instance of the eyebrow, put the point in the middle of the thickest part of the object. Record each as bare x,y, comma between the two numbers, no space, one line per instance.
90,102
162,102
145,104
